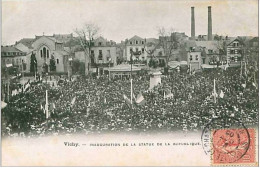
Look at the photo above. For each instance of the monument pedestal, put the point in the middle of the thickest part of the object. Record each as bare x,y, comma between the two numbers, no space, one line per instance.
155,79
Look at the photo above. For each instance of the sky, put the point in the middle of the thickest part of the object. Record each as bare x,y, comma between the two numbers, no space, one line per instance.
122,19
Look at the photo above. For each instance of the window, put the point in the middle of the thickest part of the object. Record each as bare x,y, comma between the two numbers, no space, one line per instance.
41,53
22,60
100,56
131,50
47,53
44,52
142,42
136,42
58,61
92,56
203,60
131,42
99,43
108,55
190,57
92,53
197,57
142,50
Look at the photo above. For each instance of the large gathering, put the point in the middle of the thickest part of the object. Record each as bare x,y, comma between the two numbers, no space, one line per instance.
94,105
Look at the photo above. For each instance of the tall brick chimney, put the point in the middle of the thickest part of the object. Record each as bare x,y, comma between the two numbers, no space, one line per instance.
192,24
209,24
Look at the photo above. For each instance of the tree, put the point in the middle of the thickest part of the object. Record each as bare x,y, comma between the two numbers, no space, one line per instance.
151,62
75,66
222,49
86,36
33,64
78,67
169,42
52,64
245,48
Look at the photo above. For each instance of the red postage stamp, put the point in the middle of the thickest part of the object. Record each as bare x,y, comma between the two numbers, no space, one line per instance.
233,146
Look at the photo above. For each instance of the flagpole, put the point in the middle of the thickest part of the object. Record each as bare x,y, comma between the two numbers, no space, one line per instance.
131,80
109,69
241,69
46,105
245,68
215,91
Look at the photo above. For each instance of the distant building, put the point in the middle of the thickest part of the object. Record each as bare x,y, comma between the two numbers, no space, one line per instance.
254,42
136,44
46,47
234,51
103,54
14,56
194,59
211,52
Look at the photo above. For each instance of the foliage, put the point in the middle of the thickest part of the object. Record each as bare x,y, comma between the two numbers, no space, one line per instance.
52,64
78,67
33,64
85,37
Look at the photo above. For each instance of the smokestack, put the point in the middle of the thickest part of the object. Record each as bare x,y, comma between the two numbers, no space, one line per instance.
209,24
192,24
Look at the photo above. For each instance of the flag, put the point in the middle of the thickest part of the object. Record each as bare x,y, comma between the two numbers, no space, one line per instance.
73,100
46,106
221,95
167,94
140,99
3,105
13,92
214,92
26,87
127,100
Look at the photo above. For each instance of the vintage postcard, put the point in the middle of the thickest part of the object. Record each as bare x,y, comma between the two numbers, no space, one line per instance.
129,83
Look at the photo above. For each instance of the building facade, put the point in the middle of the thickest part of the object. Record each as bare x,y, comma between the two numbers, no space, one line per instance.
234,51
10,55
194,59
103,54
135,44
45,48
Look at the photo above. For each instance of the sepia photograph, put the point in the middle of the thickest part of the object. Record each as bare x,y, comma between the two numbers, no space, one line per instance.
129,83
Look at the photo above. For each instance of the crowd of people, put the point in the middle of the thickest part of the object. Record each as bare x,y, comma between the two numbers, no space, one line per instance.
88,105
